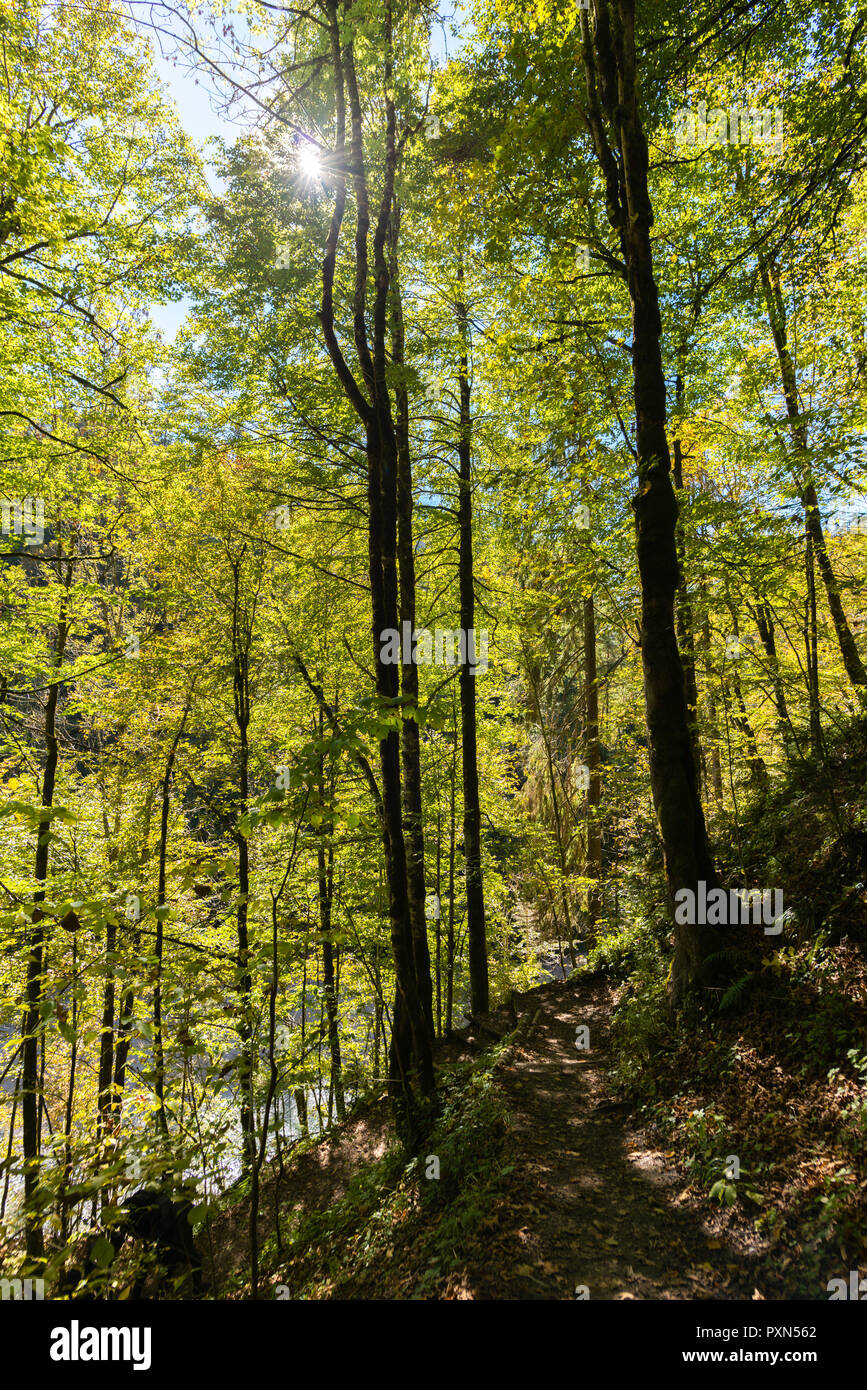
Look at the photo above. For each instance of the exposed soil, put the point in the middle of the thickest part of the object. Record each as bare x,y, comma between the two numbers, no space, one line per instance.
595,1206
312,1180
591,1205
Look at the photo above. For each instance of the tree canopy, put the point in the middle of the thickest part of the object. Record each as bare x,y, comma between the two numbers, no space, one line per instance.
471,595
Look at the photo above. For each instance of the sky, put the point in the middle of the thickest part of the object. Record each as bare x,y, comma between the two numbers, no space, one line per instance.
198,106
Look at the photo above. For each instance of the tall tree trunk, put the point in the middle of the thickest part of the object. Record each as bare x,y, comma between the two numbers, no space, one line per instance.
70,1101
764,620
273,1076
410,1053
378,1008
242,636
594,790
410,736
776,308
10,1143
104,1087
450,932
325,877
35,980
105,1108
410,1045
159,1051
438,920
684,617
476,935
712,721
104,1104
612,99
811,642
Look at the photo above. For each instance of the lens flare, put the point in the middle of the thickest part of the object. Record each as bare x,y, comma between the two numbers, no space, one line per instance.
309,164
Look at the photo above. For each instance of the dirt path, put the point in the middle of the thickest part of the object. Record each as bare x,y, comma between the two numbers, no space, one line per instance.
592,1203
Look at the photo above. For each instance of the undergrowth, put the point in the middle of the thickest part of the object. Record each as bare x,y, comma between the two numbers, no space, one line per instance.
404,1226
760,1087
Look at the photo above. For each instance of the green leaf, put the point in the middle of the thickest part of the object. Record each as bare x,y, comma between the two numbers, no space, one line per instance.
102,1252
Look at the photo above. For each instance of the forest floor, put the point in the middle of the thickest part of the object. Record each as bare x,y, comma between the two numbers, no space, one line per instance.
580,1202
595,1205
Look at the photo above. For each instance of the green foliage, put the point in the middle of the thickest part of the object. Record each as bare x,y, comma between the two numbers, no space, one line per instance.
397,1223
735,996
195,878
640,1026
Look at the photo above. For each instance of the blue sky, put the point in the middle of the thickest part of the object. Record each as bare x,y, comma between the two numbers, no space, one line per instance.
198,106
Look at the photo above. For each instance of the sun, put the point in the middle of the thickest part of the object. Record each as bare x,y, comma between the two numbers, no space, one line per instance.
308,162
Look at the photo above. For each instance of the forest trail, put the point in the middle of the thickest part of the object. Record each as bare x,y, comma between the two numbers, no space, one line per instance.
588,1200
591,1202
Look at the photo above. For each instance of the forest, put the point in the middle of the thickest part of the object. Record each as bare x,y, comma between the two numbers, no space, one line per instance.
433,675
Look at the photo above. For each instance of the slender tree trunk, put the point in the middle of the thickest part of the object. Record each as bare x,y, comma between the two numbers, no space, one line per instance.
325,864
70,1099
476,933
410,738
377,978
106,1038
300,1093
105,1109
712,720
242,636
410,1053
612,102
764,620
776,309
29,1088
159,1051
10,1143
439,918
811,643
273,1076
410,1036
450,933
685,625
594,790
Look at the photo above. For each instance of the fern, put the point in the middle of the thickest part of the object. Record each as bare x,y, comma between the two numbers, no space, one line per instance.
736,992
729,955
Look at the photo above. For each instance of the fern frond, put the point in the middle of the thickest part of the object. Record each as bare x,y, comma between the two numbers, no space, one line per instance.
736,992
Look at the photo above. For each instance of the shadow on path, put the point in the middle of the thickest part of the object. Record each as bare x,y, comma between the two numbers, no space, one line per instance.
592,1202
